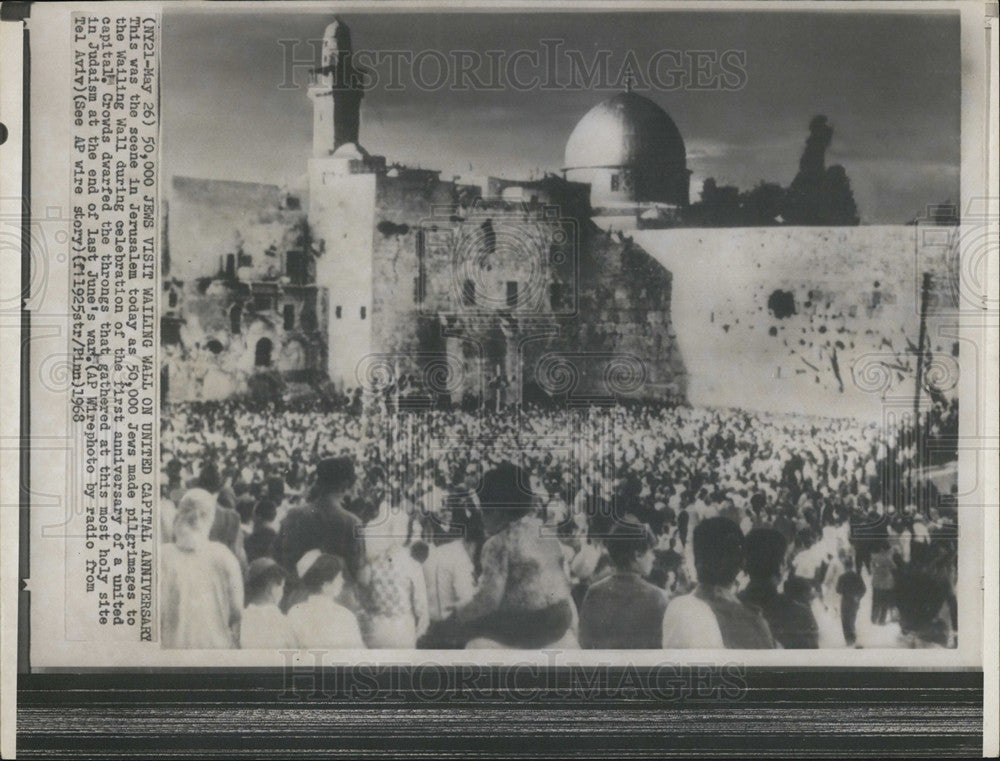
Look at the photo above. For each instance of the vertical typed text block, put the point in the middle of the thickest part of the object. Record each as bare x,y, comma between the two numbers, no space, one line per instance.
110,561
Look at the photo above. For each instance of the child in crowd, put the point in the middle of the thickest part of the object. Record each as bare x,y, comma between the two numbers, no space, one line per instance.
800,591
319,621
264,626
668,571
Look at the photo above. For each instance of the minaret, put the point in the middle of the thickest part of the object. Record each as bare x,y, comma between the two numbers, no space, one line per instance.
335,93
343,196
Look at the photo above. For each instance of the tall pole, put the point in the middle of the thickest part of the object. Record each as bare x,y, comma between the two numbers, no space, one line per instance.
499,386
924,294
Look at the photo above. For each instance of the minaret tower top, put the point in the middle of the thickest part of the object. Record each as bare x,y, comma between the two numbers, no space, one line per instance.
336,93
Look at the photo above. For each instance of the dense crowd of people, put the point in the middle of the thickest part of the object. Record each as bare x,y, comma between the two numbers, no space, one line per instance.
621,527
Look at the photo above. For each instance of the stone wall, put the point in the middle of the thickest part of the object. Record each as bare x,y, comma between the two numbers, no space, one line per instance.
809,320
240,312
223,338
210,220
533,293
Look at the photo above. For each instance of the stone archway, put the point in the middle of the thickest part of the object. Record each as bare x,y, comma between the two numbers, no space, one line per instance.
262,353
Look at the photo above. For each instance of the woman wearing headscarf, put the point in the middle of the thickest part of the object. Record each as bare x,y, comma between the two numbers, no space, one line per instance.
523,600
201,580
391,589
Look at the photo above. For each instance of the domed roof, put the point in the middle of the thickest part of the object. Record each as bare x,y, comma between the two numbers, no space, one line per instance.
626,130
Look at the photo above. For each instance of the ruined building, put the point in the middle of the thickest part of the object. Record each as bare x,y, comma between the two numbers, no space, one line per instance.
385,276
241,311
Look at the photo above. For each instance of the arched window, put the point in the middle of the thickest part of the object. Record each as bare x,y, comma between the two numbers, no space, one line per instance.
511,294
468,293
235,316
364,312
262,354
172,299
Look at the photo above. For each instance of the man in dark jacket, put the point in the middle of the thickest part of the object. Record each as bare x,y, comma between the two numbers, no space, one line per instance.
792,624
622,611
851,588
324,523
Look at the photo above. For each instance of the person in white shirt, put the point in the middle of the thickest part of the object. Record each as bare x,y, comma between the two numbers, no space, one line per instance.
811,561
264,626
319,621
201,581
712,617
450,578
391,590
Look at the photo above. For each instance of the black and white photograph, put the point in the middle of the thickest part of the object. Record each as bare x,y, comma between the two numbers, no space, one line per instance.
578,332
515,377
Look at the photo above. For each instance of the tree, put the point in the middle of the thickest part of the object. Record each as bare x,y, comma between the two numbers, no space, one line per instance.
719,205
820,195
763,204
841,208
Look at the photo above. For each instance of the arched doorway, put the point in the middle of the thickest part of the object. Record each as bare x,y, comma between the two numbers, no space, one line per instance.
235,316
495,359
262,353
495,350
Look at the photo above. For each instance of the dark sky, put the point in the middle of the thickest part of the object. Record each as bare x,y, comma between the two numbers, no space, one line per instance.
889,84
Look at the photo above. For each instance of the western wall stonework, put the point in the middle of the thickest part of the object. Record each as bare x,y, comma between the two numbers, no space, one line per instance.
528,299
531,295
810,320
